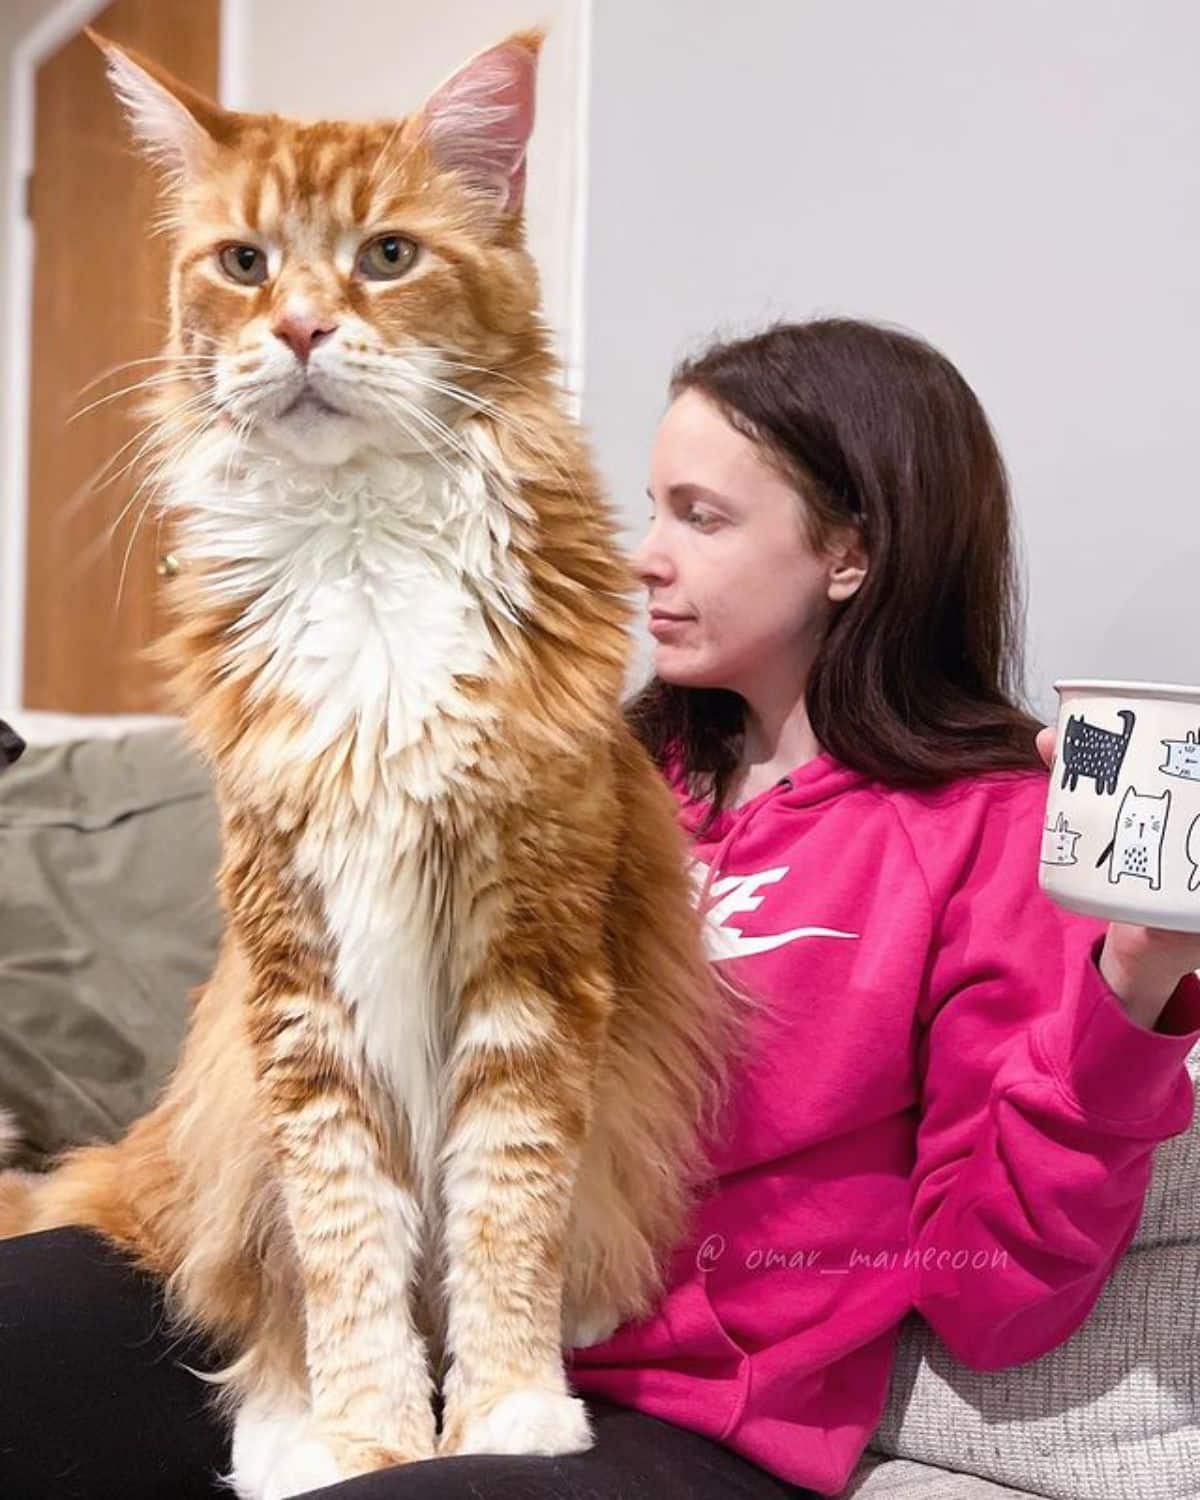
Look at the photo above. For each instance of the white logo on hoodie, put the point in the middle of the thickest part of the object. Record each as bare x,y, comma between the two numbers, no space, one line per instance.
731,894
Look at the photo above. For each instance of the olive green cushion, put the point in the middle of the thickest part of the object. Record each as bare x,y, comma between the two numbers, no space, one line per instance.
108,919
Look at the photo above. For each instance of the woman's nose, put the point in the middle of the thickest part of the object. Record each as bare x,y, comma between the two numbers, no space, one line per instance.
648,559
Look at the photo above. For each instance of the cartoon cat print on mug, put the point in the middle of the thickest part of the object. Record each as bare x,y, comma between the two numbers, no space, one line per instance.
1122,831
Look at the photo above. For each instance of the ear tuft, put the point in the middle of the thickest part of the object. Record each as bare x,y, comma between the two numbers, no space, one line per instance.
479,121
169,121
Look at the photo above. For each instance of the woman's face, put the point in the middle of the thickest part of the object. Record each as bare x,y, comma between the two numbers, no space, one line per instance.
726,552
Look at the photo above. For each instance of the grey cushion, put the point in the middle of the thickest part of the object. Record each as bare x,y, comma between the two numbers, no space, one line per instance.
1172,1211
108,919
877,1478
1112,1414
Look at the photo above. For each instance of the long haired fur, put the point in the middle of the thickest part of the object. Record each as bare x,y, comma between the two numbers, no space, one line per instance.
442,1106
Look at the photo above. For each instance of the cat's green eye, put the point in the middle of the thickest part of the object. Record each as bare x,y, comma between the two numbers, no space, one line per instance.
245,264
386,257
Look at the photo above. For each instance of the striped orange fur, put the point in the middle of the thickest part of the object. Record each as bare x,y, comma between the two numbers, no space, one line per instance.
442,1105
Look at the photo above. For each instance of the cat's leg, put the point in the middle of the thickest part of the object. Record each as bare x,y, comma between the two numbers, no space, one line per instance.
521,1099
356,1227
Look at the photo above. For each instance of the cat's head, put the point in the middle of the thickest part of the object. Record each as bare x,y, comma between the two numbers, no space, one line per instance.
1144,807
337,286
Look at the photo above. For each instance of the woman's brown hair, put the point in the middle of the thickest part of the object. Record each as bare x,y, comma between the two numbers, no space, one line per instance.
919,678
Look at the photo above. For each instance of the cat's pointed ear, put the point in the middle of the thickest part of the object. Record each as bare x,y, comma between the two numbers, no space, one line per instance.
173,125
479,121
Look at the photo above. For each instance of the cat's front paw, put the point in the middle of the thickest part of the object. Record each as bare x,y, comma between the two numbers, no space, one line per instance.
528,1420
283,1452
298,1467
328,1458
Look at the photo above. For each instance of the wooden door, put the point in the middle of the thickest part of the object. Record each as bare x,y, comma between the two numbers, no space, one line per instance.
99,300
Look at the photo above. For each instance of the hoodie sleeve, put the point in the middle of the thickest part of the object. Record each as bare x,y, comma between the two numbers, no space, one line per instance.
1041,1102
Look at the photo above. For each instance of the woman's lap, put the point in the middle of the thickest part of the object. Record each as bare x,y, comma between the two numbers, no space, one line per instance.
635,1457
95,1402
91,1389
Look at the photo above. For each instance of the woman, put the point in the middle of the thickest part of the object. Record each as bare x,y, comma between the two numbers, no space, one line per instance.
950,1066
946,1066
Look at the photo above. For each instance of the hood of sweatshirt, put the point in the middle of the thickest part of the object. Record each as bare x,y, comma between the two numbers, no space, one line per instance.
817,781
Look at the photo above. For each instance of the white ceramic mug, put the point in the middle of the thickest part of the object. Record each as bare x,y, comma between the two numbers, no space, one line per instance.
1121,837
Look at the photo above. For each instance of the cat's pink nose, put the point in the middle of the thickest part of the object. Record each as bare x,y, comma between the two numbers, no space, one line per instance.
302,332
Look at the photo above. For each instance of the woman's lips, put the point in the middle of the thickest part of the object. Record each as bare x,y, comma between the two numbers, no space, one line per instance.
665,625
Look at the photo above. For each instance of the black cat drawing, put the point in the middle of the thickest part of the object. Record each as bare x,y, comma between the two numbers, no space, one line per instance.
1089,750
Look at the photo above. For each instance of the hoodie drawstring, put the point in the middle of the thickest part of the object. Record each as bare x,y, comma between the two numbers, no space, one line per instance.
723,847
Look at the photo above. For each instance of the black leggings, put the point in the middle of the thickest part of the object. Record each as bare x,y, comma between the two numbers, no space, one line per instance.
95,1403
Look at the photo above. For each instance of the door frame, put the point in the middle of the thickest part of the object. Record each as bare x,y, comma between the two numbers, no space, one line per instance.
62,22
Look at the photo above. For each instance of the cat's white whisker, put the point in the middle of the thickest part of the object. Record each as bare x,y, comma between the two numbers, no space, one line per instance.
150,484
129,364
475,402
159,381
95,483
150,436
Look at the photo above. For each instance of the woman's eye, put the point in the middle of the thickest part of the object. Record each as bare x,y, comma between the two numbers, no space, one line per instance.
245,264
701,517
385,258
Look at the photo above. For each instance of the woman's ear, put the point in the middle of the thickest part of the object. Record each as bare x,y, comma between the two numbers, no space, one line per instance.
848,566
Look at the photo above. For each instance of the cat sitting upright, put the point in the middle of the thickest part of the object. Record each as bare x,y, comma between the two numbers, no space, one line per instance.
442,1107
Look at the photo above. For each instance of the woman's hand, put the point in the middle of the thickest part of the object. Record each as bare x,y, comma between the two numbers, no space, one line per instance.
1141,965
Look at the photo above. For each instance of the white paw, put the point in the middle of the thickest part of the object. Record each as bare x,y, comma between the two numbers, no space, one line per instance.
590,1328
530,1422
274,1456
258,1434
306,1465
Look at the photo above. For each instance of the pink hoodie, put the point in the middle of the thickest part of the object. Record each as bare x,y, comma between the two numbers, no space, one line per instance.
949,1109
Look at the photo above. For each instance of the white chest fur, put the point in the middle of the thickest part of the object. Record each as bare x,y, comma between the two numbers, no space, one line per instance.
365,586
392,965
366,595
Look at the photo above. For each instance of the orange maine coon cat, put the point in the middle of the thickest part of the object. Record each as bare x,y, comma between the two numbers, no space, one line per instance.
442,1105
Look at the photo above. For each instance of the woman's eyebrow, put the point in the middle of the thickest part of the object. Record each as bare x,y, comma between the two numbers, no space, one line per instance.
686,490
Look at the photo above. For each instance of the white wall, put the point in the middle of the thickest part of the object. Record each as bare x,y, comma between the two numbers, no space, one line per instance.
19,20
1018,182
